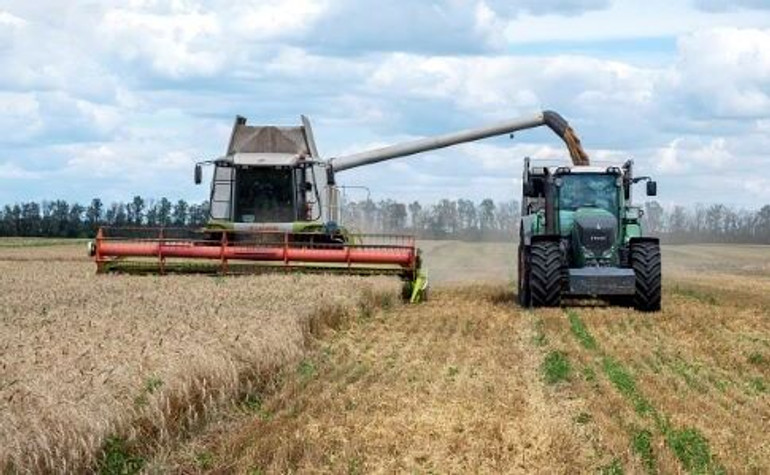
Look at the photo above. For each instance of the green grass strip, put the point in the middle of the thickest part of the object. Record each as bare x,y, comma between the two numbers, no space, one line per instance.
689,445
624,382
581,332
556,367
692,449
641,445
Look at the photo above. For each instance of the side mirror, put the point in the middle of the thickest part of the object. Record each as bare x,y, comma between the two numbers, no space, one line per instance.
652,188
198,174
308,186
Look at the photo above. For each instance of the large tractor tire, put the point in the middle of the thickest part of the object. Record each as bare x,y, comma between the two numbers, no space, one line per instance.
523,292
545,274
645,260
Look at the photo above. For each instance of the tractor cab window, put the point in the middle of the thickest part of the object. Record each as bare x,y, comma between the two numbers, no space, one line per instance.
583,190
264,195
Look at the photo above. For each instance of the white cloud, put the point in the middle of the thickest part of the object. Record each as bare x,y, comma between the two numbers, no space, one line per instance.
11,171
10,20
275,19
725,71
727,5
178,45
689,154
19,116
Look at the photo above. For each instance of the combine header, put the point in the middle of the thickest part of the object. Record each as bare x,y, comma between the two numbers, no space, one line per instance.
274,205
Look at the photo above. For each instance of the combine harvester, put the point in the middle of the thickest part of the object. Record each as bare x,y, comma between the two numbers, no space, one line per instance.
274,205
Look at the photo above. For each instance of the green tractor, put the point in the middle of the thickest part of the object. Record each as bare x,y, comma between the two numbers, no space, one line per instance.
580,237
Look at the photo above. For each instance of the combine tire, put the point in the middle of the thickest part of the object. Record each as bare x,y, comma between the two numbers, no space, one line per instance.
645,260
545,274
525,299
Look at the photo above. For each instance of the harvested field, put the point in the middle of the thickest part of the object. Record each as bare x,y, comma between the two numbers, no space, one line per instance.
467,382
92,362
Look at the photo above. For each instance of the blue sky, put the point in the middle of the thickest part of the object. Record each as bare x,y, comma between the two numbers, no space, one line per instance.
116,98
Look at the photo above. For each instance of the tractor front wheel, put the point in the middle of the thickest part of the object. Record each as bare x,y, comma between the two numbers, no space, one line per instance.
545,274
645,260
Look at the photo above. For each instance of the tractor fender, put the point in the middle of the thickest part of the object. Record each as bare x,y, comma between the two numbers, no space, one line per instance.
545,238
651,239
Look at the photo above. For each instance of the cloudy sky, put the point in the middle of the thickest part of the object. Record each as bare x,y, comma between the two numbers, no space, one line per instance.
115,98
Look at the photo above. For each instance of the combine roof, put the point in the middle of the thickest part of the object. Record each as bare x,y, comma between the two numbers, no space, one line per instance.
268,145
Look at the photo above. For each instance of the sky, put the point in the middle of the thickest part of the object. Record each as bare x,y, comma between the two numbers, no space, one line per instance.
118,98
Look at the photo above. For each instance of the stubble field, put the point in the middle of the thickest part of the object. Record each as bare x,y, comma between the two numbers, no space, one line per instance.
465,382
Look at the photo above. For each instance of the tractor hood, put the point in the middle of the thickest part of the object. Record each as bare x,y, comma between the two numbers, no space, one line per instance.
596,229
593,234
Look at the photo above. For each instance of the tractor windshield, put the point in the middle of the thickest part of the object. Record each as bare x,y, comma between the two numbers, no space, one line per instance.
264,195
588,190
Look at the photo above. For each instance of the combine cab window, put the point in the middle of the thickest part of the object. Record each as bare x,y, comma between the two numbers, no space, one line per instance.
580,190
264,195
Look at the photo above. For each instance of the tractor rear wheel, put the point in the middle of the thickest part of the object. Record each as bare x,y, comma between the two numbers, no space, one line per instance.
525,299
545,274
645,260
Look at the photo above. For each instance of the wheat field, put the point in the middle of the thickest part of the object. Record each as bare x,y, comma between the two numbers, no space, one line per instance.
199,374
92,361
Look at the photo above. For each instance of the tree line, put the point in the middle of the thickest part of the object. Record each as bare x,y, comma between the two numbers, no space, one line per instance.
60,218
714,223
462,219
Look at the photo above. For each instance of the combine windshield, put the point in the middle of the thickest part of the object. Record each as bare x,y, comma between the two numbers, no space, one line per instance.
582,190
264,195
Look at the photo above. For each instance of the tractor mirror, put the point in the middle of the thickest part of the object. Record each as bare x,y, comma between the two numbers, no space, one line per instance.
652,188
198,174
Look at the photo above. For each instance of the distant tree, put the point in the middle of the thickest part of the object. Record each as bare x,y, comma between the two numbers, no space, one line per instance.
94,216
179,215
677,223
116,215
12,220
507,219
74,227
416,217
199,214
763,225
163,210
653,219
467,217
31,223
487,216
135,211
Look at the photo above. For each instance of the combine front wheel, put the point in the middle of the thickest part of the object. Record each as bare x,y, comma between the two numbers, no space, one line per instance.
645,260
545,274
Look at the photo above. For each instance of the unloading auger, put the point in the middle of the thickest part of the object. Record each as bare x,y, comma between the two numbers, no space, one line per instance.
274,205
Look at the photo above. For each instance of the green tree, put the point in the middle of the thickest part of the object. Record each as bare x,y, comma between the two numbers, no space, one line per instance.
180,213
